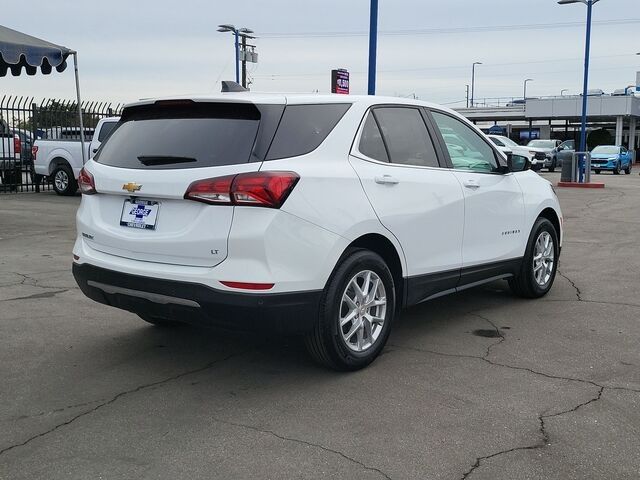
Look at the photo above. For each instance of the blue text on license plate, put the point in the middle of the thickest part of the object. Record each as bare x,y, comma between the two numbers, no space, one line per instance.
141,214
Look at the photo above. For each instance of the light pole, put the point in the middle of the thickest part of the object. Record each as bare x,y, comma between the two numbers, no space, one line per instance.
587,48
524,93
373,46
467,95
237,32
473,80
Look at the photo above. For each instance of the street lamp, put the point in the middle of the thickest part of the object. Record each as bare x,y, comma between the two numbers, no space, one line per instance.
236,33
524,93
473,80
583,128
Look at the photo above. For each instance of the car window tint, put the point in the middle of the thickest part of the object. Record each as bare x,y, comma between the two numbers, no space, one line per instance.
179,136
406,136
106,129
371,143
467,149
304,127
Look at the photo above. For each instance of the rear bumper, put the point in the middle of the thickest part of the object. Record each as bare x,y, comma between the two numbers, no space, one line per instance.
282,313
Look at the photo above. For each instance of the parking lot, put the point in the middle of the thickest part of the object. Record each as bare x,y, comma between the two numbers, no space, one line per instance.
478,385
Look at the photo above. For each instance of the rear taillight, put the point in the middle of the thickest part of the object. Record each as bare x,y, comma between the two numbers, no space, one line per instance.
34,152
86,183
17,145
260,189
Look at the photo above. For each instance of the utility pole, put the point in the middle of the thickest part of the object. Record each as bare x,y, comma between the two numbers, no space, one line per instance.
244,61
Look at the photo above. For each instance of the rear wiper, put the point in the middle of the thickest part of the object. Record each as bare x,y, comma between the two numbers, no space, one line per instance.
149,160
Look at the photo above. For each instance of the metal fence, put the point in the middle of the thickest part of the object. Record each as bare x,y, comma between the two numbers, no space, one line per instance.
24,120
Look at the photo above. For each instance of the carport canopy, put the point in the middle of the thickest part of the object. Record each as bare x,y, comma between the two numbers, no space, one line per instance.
21,52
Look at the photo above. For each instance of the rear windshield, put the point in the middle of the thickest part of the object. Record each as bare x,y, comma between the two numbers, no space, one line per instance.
176,135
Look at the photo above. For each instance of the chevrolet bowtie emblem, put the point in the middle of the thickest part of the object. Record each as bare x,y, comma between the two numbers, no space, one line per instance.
131,187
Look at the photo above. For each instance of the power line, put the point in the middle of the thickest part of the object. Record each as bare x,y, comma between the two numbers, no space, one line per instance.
450,30
449,67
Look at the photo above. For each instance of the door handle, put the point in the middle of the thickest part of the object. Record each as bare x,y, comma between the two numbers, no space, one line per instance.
471,184
386,180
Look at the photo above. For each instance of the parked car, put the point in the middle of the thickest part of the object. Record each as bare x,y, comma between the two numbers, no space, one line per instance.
503,142
612,158
545,151
10,154
26,142
60,158
565,151
313,215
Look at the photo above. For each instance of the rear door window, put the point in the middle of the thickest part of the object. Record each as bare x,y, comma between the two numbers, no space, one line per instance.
406,136
176,135
304,127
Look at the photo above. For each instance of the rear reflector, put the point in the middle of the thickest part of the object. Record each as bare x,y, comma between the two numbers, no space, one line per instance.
248,286
260,189
86,183
34,152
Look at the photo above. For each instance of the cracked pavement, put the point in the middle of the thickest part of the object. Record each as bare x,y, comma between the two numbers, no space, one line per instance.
479,385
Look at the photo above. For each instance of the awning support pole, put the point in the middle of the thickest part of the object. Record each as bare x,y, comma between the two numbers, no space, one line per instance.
75,68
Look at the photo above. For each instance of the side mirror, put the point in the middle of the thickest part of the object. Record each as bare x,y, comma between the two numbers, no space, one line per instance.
518,163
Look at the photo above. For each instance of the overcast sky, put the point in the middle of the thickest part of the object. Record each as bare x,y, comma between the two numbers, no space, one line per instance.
132,49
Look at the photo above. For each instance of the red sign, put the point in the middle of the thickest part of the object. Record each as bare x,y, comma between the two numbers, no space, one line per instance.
340,81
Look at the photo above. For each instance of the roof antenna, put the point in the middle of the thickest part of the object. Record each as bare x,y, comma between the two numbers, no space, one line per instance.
229,86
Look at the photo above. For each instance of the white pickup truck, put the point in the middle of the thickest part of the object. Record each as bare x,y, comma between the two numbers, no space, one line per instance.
59,157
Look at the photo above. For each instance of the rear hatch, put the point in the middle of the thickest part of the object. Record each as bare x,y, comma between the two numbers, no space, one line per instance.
149,161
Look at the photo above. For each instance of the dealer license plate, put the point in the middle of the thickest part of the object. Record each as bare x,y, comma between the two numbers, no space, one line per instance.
140,214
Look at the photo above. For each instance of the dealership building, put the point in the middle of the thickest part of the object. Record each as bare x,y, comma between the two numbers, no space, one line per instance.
560,117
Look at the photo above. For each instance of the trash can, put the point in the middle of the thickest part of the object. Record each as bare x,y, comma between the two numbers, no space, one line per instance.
568,168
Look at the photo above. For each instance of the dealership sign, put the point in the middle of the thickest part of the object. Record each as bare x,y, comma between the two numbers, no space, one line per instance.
340,81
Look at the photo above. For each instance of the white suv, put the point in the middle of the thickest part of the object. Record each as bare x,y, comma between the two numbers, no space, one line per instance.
313,215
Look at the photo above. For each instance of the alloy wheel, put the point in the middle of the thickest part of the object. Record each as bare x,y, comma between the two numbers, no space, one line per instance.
61,180
543,259
362,311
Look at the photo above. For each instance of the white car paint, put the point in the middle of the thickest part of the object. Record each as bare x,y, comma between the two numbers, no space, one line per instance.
437,219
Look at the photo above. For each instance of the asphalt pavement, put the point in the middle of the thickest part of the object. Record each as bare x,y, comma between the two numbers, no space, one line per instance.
479,385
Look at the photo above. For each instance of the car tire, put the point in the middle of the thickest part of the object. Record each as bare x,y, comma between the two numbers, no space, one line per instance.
346,345
159,322
597,172
616,171
540,262
63,181
552,168
627,170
